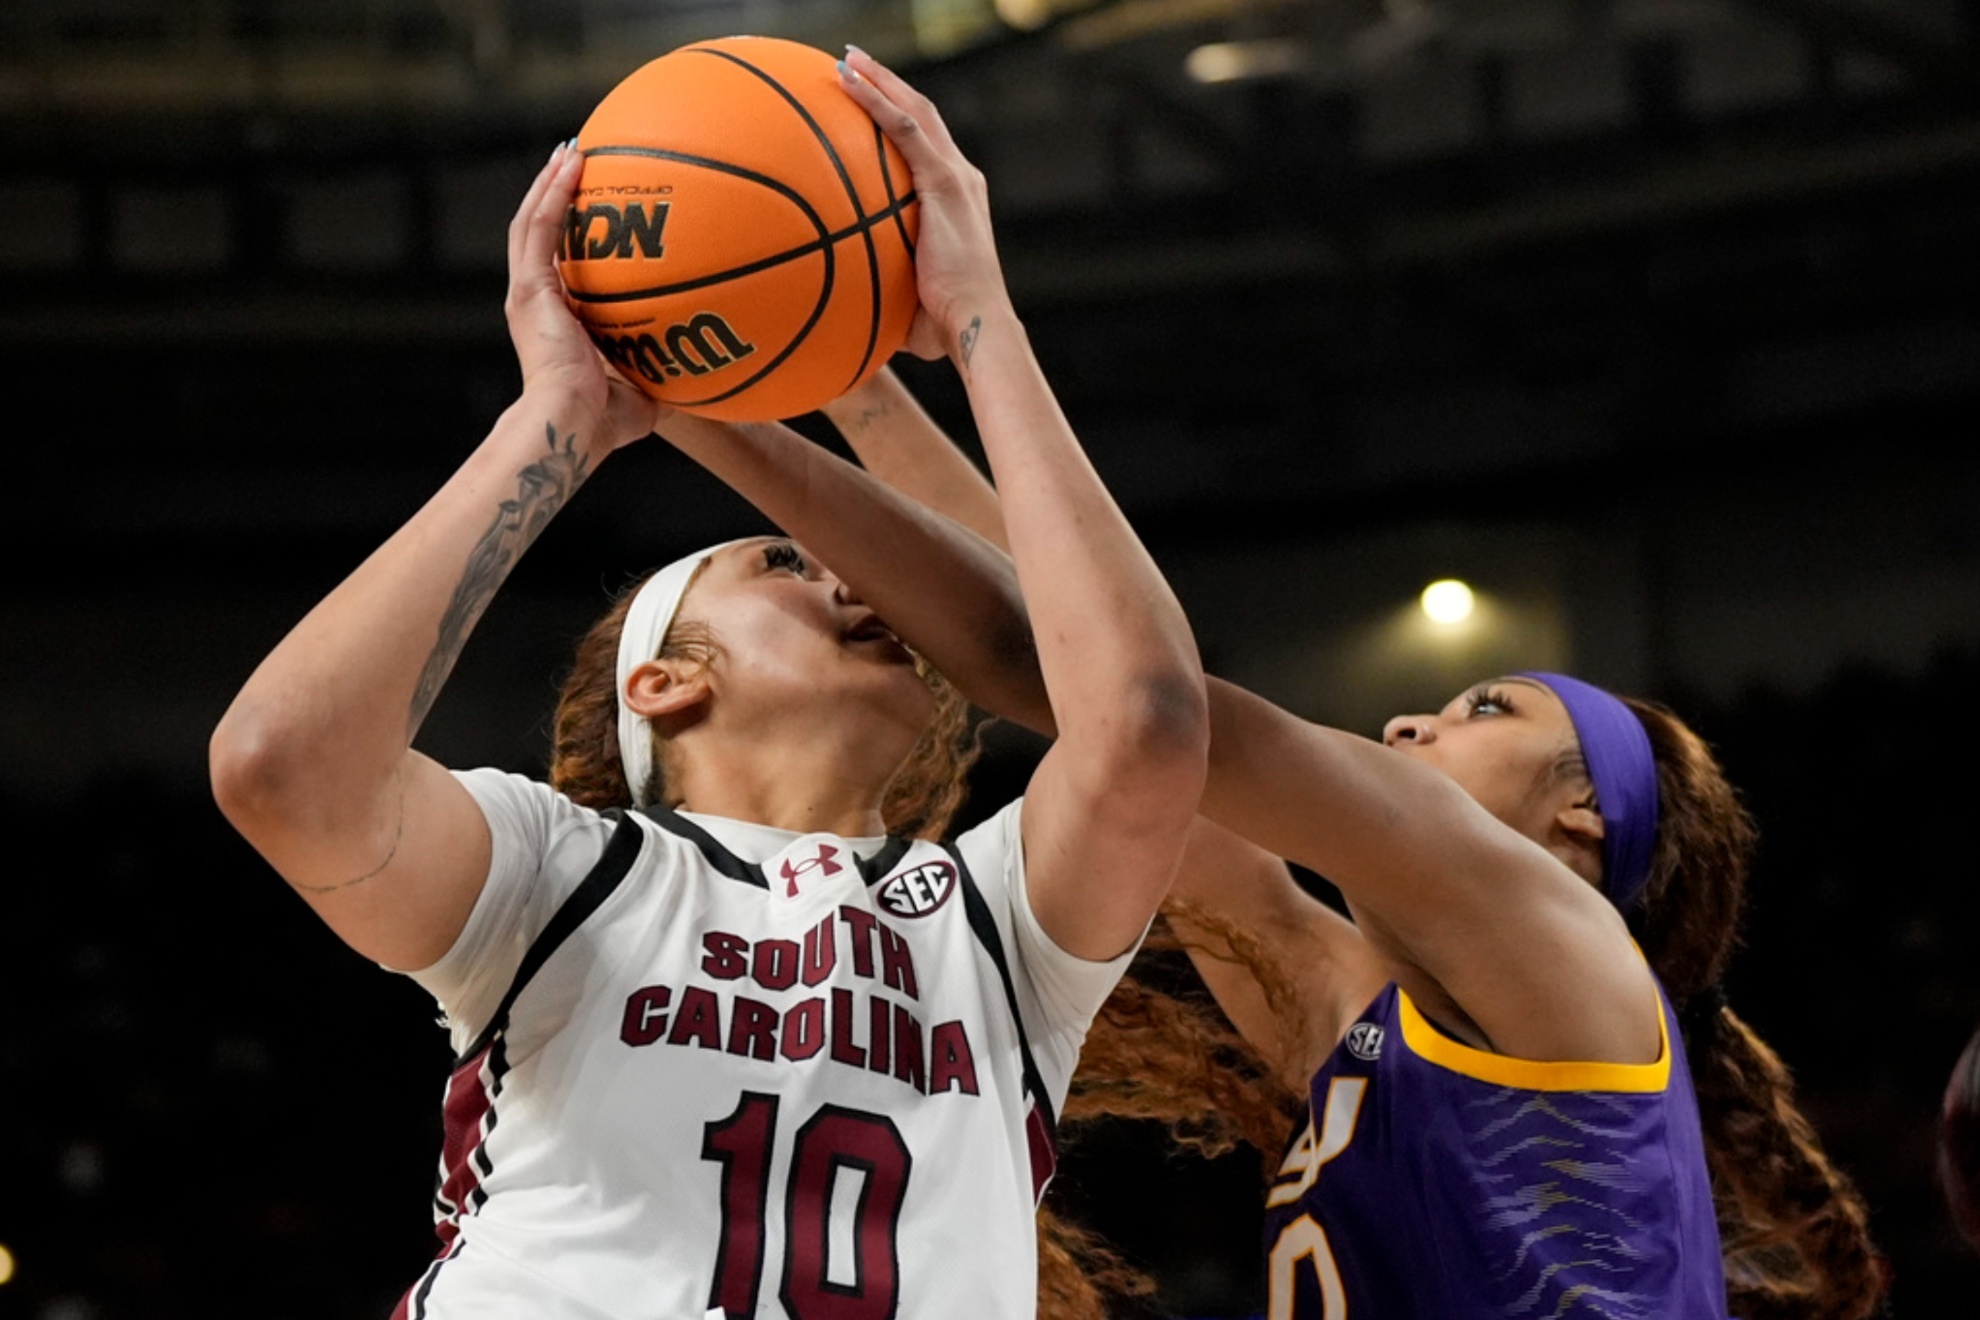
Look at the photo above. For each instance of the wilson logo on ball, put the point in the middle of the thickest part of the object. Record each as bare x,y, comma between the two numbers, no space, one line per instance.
918,892
604,231
704,344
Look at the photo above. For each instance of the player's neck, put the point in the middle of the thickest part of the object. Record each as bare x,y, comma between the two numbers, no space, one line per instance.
816,786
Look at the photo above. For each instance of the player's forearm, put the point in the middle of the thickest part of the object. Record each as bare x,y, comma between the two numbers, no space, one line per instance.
1337,803
1407,845
1116,650
334,707
1465,911
898,441
951,595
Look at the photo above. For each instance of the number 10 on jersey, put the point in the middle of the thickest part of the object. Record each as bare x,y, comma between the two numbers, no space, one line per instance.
834,1143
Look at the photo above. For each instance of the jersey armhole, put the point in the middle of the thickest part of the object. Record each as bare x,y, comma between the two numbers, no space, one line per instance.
1426,1042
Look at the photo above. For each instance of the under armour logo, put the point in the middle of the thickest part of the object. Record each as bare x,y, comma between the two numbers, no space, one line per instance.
822,862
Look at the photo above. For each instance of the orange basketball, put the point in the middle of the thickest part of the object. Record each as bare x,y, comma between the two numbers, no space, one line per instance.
742,241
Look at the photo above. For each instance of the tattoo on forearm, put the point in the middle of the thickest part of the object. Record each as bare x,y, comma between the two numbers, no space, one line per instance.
967,340
868,415
542,488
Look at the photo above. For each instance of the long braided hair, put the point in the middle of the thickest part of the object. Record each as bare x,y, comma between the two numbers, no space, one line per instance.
1793,1228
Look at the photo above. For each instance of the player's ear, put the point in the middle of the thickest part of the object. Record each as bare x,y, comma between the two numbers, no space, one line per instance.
1578,831
1581,821
661,689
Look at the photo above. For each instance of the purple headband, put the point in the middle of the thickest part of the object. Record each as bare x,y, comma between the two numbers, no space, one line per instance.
1624,771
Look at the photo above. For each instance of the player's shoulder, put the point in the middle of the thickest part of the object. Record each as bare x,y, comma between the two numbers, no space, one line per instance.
534,820
508,791
996,833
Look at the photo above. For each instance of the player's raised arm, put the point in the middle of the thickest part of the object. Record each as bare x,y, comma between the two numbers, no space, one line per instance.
1425,866
1109,805
949,592
897,441
1224,882
1480,920
1445,891
313,761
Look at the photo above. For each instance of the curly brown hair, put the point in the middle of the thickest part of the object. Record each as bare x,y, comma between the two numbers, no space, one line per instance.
1161,1052
1793,1228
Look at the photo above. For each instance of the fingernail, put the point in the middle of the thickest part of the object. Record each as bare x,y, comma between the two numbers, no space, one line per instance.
854,50
847,72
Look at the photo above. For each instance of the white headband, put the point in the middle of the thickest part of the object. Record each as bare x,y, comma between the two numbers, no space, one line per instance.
647,621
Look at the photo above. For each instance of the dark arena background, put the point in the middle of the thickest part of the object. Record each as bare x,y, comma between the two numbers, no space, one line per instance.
1656,321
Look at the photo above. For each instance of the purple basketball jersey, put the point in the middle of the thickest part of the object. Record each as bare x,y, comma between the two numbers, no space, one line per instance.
1439,1182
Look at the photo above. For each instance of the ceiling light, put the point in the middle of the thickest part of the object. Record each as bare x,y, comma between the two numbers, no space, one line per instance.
1448,601
1235,61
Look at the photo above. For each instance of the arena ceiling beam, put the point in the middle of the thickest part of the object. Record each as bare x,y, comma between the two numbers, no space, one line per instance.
1944,58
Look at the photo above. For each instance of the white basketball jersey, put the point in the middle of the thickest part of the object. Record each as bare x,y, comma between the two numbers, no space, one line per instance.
755,1076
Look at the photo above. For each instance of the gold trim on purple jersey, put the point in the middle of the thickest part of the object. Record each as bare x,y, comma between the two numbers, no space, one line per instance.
1532,1074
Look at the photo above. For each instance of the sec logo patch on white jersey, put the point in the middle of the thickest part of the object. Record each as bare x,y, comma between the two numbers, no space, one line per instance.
918,892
